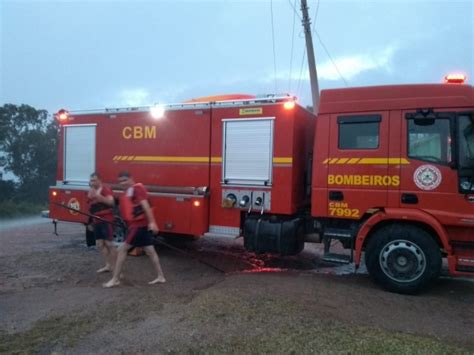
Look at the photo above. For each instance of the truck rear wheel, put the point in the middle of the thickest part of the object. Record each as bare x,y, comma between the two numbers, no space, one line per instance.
403,258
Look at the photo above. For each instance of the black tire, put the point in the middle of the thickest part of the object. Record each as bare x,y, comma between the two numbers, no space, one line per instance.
403,258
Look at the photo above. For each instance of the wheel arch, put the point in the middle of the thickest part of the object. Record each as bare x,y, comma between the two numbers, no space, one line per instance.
414,218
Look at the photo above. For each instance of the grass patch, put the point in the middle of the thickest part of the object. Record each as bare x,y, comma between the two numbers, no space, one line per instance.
329,338
46,333
66,332
266,324
11,209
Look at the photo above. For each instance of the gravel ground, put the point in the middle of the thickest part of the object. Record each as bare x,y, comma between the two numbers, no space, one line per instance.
51,300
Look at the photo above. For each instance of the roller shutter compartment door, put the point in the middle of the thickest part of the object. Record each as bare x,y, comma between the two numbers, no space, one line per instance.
248,151
79,153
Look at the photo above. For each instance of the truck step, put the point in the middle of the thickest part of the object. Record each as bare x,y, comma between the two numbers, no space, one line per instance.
465,268
337,258
221,235
337,233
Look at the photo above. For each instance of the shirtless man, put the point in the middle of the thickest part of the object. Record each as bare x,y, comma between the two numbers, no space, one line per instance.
136,210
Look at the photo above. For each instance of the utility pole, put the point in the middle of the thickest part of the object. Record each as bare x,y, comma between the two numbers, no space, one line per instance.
313,75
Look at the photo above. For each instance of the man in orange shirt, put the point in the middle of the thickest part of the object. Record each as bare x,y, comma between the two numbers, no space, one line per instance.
101,201
138,214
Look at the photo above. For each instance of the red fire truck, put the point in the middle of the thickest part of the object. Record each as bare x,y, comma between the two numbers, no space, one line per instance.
388,171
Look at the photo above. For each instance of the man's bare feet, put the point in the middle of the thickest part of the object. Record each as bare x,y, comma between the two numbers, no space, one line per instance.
158,280
111,283
106,268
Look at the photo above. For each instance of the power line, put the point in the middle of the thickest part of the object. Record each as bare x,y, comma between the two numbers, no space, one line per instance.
316,14
273,40
301,71
295,11
292,44
320,41
322,44
330,58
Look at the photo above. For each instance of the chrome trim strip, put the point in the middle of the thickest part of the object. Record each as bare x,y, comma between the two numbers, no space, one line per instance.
263,100
179,191
79,124
248,119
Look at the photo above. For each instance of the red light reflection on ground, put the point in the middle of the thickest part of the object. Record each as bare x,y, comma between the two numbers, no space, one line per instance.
263,269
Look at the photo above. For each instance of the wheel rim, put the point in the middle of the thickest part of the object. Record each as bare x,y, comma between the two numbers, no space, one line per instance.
402,261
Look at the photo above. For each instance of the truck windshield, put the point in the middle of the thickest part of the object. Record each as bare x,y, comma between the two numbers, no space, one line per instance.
466,141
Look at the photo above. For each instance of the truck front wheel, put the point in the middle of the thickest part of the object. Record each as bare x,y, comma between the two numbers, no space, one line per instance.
403,258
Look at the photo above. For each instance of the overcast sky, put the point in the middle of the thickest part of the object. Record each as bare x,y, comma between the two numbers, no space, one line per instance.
95,54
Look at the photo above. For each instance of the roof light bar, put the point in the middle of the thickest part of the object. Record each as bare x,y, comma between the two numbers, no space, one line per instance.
456,78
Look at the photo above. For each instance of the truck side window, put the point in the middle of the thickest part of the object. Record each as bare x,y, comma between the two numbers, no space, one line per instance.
466,141
359,132
430,142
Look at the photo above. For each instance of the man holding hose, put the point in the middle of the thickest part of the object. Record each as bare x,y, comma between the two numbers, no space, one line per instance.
138,214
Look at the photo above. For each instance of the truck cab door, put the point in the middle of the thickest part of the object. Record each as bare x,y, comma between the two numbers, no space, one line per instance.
358,161
434,179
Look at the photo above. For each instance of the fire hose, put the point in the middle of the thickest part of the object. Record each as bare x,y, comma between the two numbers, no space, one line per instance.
122,225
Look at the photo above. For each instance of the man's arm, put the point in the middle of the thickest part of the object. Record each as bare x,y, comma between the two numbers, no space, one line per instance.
108,200
98,198
152,226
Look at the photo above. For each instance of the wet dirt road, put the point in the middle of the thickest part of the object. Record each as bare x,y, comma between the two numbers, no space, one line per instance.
51,300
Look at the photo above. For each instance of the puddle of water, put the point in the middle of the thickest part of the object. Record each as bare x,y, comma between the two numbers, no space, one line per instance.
231,257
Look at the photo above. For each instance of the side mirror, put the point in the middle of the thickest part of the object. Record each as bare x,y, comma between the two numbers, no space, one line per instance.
425,121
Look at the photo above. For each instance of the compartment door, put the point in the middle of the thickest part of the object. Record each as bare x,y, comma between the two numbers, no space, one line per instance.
79,153
248,151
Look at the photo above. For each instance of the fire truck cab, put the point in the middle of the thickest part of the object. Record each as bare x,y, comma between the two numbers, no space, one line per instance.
388,171
393,176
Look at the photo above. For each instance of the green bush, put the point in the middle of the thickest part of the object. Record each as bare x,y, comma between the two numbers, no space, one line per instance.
9,209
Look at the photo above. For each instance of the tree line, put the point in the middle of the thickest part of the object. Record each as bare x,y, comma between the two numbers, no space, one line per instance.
28,149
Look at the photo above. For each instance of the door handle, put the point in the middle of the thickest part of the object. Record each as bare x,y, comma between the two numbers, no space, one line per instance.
336,196
409,199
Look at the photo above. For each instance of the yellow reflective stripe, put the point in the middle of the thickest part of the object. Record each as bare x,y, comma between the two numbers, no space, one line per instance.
170,159
367,161
283,160
373,161
353,161
276,160
396,161
383,161
175,159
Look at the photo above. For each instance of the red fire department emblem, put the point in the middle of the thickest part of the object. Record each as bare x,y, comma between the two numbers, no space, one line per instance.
427,177
74,203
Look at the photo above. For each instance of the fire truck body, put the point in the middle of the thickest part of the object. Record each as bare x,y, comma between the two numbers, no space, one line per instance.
251,152
386,170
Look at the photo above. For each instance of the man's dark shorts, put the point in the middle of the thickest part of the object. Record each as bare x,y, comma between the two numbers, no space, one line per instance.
103,231
138,237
